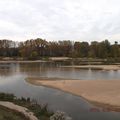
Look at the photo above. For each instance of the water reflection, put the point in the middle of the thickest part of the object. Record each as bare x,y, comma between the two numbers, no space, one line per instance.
55,70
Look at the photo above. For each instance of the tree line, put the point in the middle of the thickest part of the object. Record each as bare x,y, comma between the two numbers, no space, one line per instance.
37,48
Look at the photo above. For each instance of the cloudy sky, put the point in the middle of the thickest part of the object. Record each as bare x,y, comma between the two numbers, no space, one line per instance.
84,20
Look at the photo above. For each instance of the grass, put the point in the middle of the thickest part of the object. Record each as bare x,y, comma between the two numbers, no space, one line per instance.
40,111
7,114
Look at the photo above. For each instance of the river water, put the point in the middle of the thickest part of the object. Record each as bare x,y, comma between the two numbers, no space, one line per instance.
12,80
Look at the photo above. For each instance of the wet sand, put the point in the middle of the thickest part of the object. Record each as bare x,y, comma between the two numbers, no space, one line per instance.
105,93
99,67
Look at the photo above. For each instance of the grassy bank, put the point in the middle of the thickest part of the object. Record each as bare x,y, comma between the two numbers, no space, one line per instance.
40,111
7,114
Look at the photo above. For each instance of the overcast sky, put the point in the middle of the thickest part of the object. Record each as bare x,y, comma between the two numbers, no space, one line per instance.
84,20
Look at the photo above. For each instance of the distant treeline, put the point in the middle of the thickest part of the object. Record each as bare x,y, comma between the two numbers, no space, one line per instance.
37,48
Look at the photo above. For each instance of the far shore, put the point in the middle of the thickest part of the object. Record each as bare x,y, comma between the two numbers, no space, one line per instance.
104,93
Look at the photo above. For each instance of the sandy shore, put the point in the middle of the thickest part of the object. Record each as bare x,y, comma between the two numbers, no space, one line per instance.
104,92
20,109
59,58
24,61
101,67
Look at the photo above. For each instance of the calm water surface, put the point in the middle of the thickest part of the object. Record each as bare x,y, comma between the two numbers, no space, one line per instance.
12,80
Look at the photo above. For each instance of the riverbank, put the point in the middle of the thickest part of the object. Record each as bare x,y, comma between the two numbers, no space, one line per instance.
8,114
105,93
19,109
28,107
83,63
95,67
49,59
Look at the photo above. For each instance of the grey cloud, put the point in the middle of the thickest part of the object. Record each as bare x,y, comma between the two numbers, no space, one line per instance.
60,19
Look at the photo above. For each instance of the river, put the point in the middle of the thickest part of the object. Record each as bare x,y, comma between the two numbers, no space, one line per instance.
12,80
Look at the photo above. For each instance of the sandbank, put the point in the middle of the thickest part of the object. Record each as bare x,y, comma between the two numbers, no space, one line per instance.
105,93
99,67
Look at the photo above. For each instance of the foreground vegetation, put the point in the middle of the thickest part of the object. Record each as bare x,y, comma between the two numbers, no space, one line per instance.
41,111
7,114
37,48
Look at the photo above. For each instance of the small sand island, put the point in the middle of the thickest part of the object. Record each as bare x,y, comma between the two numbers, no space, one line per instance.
96,67
105,93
